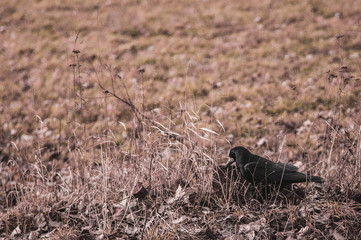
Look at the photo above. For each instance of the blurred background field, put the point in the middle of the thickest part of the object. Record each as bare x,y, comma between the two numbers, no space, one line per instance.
198,77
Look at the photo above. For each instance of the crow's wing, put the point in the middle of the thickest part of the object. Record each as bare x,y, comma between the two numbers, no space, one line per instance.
256,171
276,167
267,171
284,167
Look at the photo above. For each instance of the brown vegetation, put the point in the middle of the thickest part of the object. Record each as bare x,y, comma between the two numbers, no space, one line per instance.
116,118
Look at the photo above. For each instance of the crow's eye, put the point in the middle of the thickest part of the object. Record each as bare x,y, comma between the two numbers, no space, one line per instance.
232,155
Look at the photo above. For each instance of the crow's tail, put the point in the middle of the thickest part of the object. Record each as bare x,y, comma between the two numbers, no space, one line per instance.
316,179
297,177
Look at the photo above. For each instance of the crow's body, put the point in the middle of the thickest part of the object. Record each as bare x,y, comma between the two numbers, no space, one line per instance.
256,169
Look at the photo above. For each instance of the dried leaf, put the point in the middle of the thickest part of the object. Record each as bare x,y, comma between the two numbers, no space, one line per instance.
179,193
180,220
16,232
337,236
261,142
209,130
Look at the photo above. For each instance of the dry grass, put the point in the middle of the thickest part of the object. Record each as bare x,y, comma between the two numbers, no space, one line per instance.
117,117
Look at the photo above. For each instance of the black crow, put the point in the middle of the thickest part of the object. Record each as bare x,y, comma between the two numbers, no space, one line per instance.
256,169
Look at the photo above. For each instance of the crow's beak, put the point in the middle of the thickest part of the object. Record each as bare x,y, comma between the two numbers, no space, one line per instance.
229,163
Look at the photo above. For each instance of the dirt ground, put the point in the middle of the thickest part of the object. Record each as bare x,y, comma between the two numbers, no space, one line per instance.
118,116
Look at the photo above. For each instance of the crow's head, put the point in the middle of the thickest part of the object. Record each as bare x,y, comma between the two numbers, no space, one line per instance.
239,155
